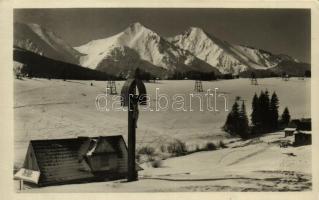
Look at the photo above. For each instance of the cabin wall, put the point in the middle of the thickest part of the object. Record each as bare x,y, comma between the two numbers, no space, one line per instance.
289,133
58,161
122,160
302,139
63,161
30,161
103,162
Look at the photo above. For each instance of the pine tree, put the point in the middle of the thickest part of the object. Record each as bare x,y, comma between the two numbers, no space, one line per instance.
261,106
243,123
264,110
237,122
285,117
231,124
228,127
266,115
273,111
255,115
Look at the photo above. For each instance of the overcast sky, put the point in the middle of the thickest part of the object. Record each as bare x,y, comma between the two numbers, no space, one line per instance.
279,31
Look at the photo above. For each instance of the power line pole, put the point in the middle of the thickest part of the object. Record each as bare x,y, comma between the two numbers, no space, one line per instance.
111,87
198,86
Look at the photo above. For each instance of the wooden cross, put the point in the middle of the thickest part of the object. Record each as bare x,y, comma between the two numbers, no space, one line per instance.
131,99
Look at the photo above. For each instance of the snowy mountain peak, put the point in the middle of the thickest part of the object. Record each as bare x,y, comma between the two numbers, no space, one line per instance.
142,47
135,28
139,46
228,58
37,39
195,31
34,25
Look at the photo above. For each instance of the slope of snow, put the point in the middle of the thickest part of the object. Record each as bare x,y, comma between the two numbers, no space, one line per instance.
58,109
34,38
52,109
260,166
261,59
228,58
138,46
41,33
147,44
198,43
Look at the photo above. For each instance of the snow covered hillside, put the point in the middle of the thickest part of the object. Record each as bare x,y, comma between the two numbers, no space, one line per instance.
53,109
57,109
228,58
257,165
138,46
142,47
34,38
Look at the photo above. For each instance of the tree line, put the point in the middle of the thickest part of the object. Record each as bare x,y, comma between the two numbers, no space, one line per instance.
38,66
264,116
193,75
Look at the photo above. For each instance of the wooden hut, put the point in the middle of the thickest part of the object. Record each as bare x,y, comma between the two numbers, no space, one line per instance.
302,138
304,124
75,160
289,131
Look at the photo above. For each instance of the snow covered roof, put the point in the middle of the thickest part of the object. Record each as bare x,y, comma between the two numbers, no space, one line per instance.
290,129
303,132
60,161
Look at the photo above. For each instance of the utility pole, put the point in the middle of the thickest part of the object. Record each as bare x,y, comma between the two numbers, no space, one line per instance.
198,86
253,79
111,87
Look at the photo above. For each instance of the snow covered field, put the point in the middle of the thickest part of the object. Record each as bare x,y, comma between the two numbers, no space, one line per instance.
60,109
254,165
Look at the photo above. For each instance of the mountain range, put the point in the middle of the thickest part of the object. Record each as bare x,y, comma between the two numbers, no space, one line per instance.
138,46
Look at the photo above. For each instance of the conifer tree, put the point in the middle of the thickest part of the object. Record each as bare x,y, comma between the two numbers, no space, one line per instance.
243,123
261,105
255,115
285,117
228,127
266,115
273,111
264,110
237,122
231,124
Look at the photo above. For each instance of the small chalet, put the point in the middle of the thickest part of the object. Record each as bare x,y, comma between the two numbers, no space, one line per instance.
303,135
75,160
289,131
302,138
295,125
304,124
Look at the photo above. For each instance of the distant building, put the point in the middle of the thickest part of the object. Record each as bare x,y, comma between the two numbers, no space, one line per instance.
289,131
75,160
293,123
304,124
302,138
303,135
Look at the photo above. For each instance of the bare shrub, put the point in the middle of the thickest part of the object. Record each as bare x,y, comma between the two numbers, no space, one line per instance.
222,144
157,163
177,148
163,148
137,157
197,148
146,150
210,146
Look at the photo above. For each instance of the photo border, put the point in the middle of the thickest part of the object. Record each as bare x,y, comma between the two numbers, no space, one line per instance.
6,102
